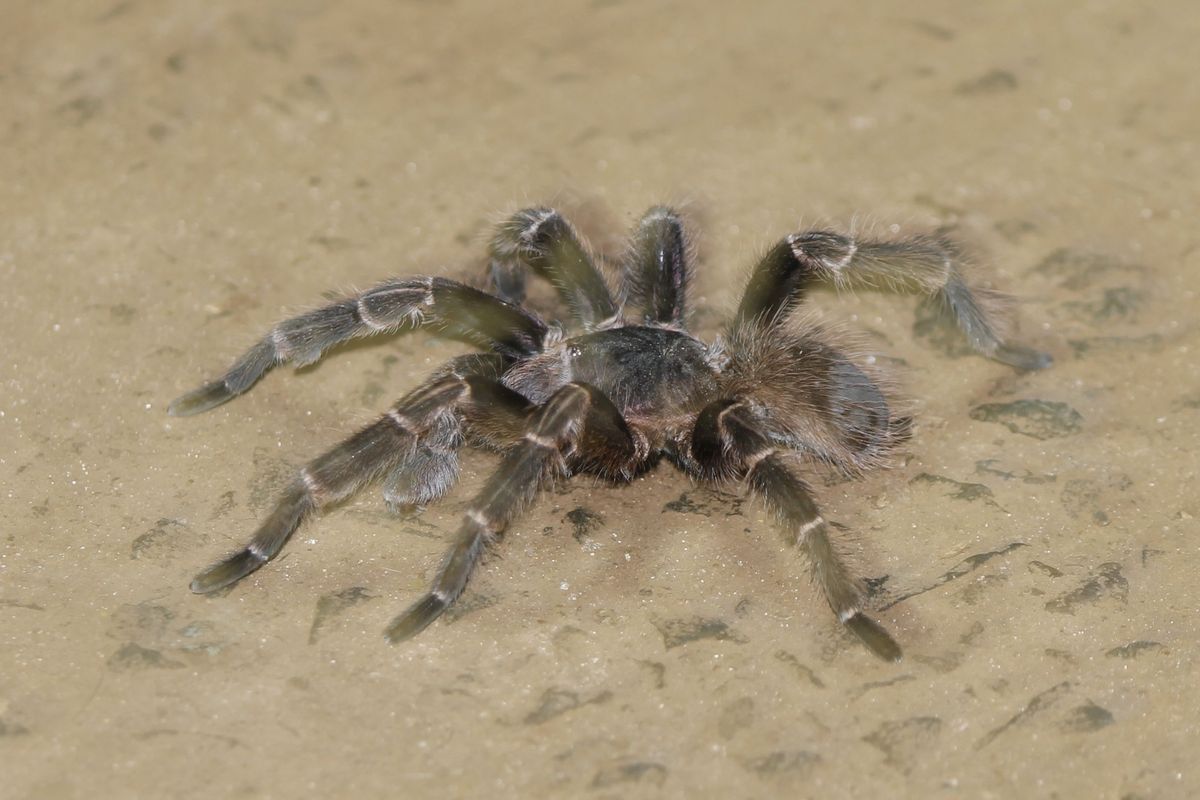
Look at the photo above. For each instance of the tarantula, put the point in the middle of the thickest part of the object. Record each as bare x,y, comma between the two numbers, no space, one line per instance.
617,397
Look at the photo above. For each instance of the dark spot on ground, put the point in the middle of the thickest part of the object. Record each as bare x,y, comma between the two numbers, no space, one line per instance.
988,467
141,621
1076,270
159,541
1037,705
735,716
800,669
972,633
467,604
1094,498
133,656
782,761
871,686
1106,582
556,702
1040,419
78,111
992,82
648,772
333,604
1045,569
12,728
676,632
1150,343
964,567
1014,229
122,313
584,521
21,604
962,491
657,670
1115,304
1087,718
706,503
902,743
1137,649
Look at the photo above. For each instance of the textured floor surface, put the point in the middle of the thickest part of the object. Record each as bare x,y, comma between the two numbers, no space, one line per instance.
175,176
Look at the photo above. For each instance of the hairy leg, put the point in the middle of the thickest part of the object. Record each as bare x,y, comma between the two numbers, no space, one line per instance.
930,265
577,417
476,315
656,268
542,240
392,444
728,442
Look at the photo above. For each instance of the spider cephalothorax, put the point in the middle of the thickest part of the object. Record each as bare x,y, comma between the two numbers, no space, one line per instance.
618,396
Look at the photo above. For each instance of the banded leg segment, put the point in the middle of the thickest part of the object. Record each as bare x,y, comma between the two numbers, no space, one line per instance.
574,414
727,441
385,444
476,315
656,269
929,265
541,239
489,413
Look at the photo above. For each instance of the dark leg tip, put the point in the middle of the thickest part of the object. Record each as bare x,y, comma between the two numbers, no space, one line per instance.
228,572
416,619
207,396
873,635
1023,358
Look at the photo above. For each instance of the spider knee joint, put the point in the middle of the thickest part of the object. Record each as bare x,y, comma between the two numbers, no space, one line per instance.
534,220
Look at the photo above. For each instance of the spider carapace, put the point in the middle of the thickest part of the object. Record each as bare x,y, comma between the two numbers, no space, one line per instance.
773,392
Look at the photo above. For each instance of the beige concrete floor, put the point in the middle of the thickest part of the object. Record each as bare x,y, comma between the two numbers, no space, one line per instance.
175,176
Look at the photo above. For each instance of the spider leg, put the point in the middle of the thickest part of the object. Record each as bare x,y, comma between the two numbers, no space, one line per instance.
428,472
656,268
543,240
577,421
477,315
727,441
930,265
387,444
492,414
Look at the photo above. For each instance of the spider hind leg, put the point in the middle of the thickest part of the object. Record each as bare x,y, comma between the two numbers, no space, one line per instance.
729,440
932,265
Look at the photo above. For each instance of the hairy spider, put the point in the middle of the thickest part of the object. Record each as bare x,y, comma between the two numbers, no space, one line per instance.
618,396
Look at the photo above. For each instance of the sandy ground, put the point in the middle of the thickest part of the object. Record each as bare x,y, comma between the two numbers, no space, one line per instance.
176,176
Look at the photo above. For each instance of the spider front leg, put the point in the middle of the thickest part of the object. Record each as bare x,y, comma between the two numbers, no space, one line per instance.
390,443
494,416
727,440
479,316
930,265
541,239
656,268
579,425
